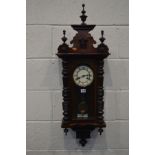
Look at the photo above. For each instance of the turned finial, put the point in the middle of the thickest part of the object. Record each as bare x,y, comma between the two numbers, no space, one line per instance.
83,16
64,39
102,38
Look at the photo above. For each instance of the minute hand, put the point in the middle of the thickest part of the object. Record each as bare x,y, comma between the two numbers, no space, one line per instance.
82,76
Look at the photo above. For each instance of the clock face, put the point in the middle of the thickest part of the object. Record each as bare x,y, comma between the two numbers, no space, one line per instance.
83,76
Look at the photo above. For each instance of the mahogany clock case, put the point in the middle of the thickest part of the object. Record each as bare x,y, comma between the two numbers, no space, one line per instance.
83,106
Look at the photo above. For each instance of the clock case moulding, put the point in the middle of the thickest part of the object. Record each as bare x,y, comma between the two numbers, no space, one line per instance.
82,52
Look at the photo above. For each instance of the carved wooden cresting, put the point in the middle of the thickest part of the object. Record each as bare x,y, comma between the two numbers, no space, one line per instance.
83,102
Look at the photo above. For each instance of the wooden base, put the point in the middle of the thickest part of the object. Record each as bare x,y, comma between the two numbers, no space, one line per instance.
72,124
83,134
83,129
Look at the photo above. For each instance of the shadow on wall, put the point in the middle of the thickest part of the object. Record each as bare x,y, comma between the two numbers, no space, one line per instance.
60,73
107,74
52,78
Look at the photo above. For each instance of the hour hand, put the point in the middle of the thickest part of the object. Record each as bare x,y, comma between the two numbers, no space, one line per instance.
78,78
88,76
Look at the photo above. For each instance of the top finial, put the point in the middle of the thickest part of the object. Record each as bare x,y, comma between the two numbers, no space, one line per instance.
83,16
64,32
64,39
83,11
102,33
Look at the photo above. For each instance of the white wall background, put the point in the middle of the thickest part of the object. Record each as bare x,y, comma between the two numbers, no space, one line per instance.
45,21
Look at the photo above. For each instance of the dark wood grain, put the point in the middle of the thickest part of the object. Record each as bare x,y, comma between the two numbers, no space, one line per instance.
83,53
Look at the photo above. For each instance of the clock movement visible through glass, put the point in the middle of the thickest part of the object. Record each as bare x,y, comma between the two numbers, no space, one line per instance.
83,76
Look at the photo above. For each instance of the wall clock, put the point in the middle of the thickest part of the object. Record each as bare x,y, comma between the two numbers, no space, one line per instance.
83,92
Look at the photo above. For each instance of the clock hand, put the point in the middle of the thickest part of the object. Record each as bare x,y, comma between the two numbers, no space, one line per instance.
82,76
88,76
77,78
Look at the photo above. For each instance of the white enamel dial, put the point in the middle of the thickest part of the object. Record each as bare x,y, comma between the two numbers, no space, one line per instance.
83,76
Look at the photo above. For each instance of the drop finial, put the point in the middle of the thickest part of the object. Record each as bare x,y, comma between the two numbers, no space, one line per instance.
102,38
